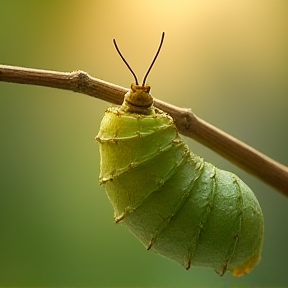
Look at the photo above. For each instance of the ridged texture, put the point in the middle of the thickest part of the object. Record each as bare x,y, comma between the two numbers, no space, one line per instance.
176,203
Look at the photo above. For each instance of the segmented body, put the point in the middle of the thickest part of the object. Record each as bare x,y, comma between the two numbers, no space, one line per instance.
176,203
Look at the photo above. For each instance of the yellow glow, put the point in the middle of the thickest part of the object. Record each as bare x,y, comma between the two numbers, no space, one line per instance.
247,267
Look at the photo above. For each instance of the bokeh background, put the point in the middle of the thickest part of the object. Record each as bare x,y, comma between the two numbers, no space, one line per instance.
227,60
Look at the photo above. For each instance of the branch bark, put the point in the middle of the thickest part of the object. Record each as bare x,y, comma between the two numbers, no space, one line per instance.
188,124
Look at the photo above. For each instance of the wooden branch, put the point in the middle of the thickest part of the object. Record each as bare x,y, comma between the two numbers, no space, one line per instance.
188,124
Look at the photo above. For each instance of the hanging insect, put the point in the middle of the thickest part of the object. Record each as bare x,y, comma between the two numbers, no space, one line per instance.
177,204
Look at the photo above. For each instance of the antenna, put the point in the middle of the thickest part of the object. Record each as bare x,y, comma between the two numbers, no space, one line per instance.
155,57
149,69
115,44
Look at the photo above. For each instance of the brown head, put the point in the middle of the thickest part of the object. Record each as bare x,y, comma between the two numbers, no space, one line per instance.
138,99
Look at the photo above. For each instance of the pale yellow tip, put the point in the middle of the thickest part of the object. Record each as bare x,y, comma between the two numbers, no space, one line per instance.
247,267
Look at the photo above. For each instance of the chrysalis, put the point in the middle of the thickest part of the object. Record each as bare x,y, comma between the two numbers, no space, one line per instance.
176,203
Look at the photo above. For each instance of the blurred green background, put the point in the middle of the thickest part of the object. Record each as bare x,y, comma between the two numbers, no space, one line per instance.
227,60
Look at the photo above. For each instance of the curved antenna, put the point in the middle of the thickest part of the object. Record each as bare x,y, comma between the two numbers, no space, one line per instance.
155,57
136,81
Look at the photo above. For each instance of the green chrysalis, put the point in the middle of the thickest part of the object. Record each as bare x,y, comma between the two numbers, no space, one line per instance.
176,203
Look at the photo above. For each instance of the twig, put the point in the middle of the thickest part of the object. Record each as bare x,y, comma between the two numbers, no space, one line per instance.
188,124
